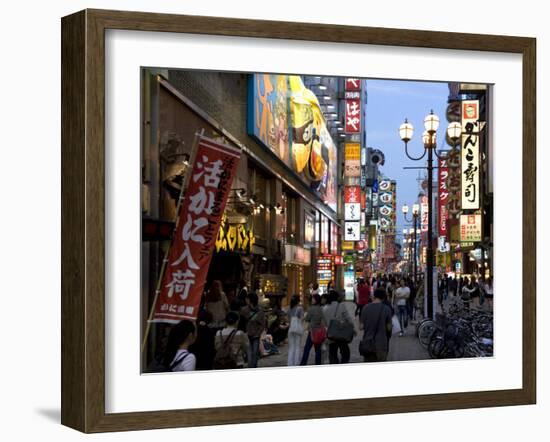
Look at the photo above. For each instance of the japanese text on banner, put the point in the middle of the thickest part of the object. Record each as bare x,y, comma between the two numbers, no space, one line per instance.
196,231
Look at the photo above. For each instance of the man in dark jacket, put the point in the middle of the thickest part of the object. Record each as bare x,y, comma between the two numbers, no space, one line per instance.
376,323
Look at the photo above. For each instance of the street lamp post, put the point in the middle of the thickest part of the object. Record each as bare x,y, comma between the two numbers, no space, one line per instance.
431,123
407,248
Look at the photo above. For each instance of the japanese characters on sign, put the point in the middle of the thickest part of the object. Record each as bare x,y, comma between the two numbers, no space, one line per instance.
394,204
352,211
352,230
424,213
454,183
387,202
353,84
470,228
352,160
196,231
470,154
353,106
234,237
325,271
352,194
443,196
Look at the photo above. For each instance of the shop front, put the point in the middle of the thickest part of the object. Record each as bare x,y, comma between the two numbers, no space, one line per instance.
297,259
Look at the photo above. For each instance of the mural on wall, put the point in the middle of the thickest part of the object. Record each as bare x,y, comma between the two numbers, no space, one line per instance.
286,118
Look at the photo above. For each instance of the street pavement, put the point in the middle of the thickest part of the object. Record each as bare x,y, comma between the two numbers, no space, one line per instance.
402,348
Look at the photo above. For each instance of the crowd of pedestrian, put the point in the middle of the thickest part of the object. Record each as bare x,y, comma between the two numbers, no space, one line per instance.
239,331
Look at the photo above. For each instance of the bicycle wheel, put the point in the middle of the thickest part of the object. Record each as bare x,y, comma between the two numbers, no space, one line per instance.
436,347
425,333
419,324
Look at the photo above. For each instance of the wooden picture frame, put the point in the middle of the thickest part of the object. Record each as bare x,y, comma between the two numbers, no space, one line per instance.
83,216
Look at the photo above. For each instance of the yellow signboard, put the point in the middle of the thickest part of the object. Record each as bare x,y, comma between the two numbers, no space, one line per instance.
348,245
234,237
352,151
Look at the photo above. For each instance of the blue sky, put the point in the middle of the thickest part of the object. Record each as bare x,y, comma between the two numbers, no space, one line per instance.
389,103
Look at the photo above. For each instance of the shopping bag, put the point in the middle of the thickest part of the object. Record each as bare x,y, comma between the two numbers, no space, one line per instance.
396,327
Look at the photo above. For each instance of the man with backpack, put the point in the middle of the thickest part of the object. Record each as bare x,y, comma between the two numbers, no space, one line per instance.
231,344
255,325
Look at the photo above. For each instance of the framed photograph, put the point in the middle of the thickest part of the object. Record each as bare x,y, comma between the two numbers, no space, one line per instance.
250,208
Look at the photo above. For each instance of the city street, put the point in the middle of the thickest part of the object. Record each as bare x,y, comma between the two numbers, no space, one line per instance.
405,348
349,189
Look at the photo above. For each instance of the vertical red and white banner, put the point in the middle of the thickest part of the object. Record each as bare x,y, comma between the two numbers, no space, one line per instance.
353,106
424,209
198,224
443,196
353,115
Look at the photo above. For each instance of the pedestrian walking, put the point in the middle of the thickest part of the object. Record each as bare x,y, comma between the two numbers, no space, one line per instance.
402,294
445,287
217,305
177,356
295,330
466,292
231,344
475,295
335,311
489,293
203,348
452,286
363,295
317,332
376,323
411,302
255,325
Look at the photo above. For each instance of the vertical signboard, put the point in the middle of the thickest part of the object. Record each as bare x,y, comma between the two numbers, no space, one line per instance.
352,160
385,205
352,194
470,228
353,106
443,196
197,228
454,182
352,230
470,155
424,213
394,205
325,271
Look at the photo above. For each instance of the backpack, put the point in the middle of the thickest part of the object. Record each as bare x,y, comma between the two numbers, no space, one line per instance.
225,357
158,365
254,328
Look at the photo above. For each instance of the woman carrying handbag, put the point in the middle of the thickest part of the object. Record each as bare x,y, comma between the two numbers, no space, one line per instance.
340,330
317,330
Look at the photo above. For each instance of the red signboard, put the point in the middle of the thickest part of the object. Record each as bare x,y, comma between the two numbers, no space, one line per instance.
424,207
353,84
196,231
353,116
443,196
352,194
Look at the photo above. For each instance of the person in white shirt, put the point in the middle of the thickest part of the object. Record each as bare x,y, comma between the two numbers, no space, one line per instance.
401,296
177,356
